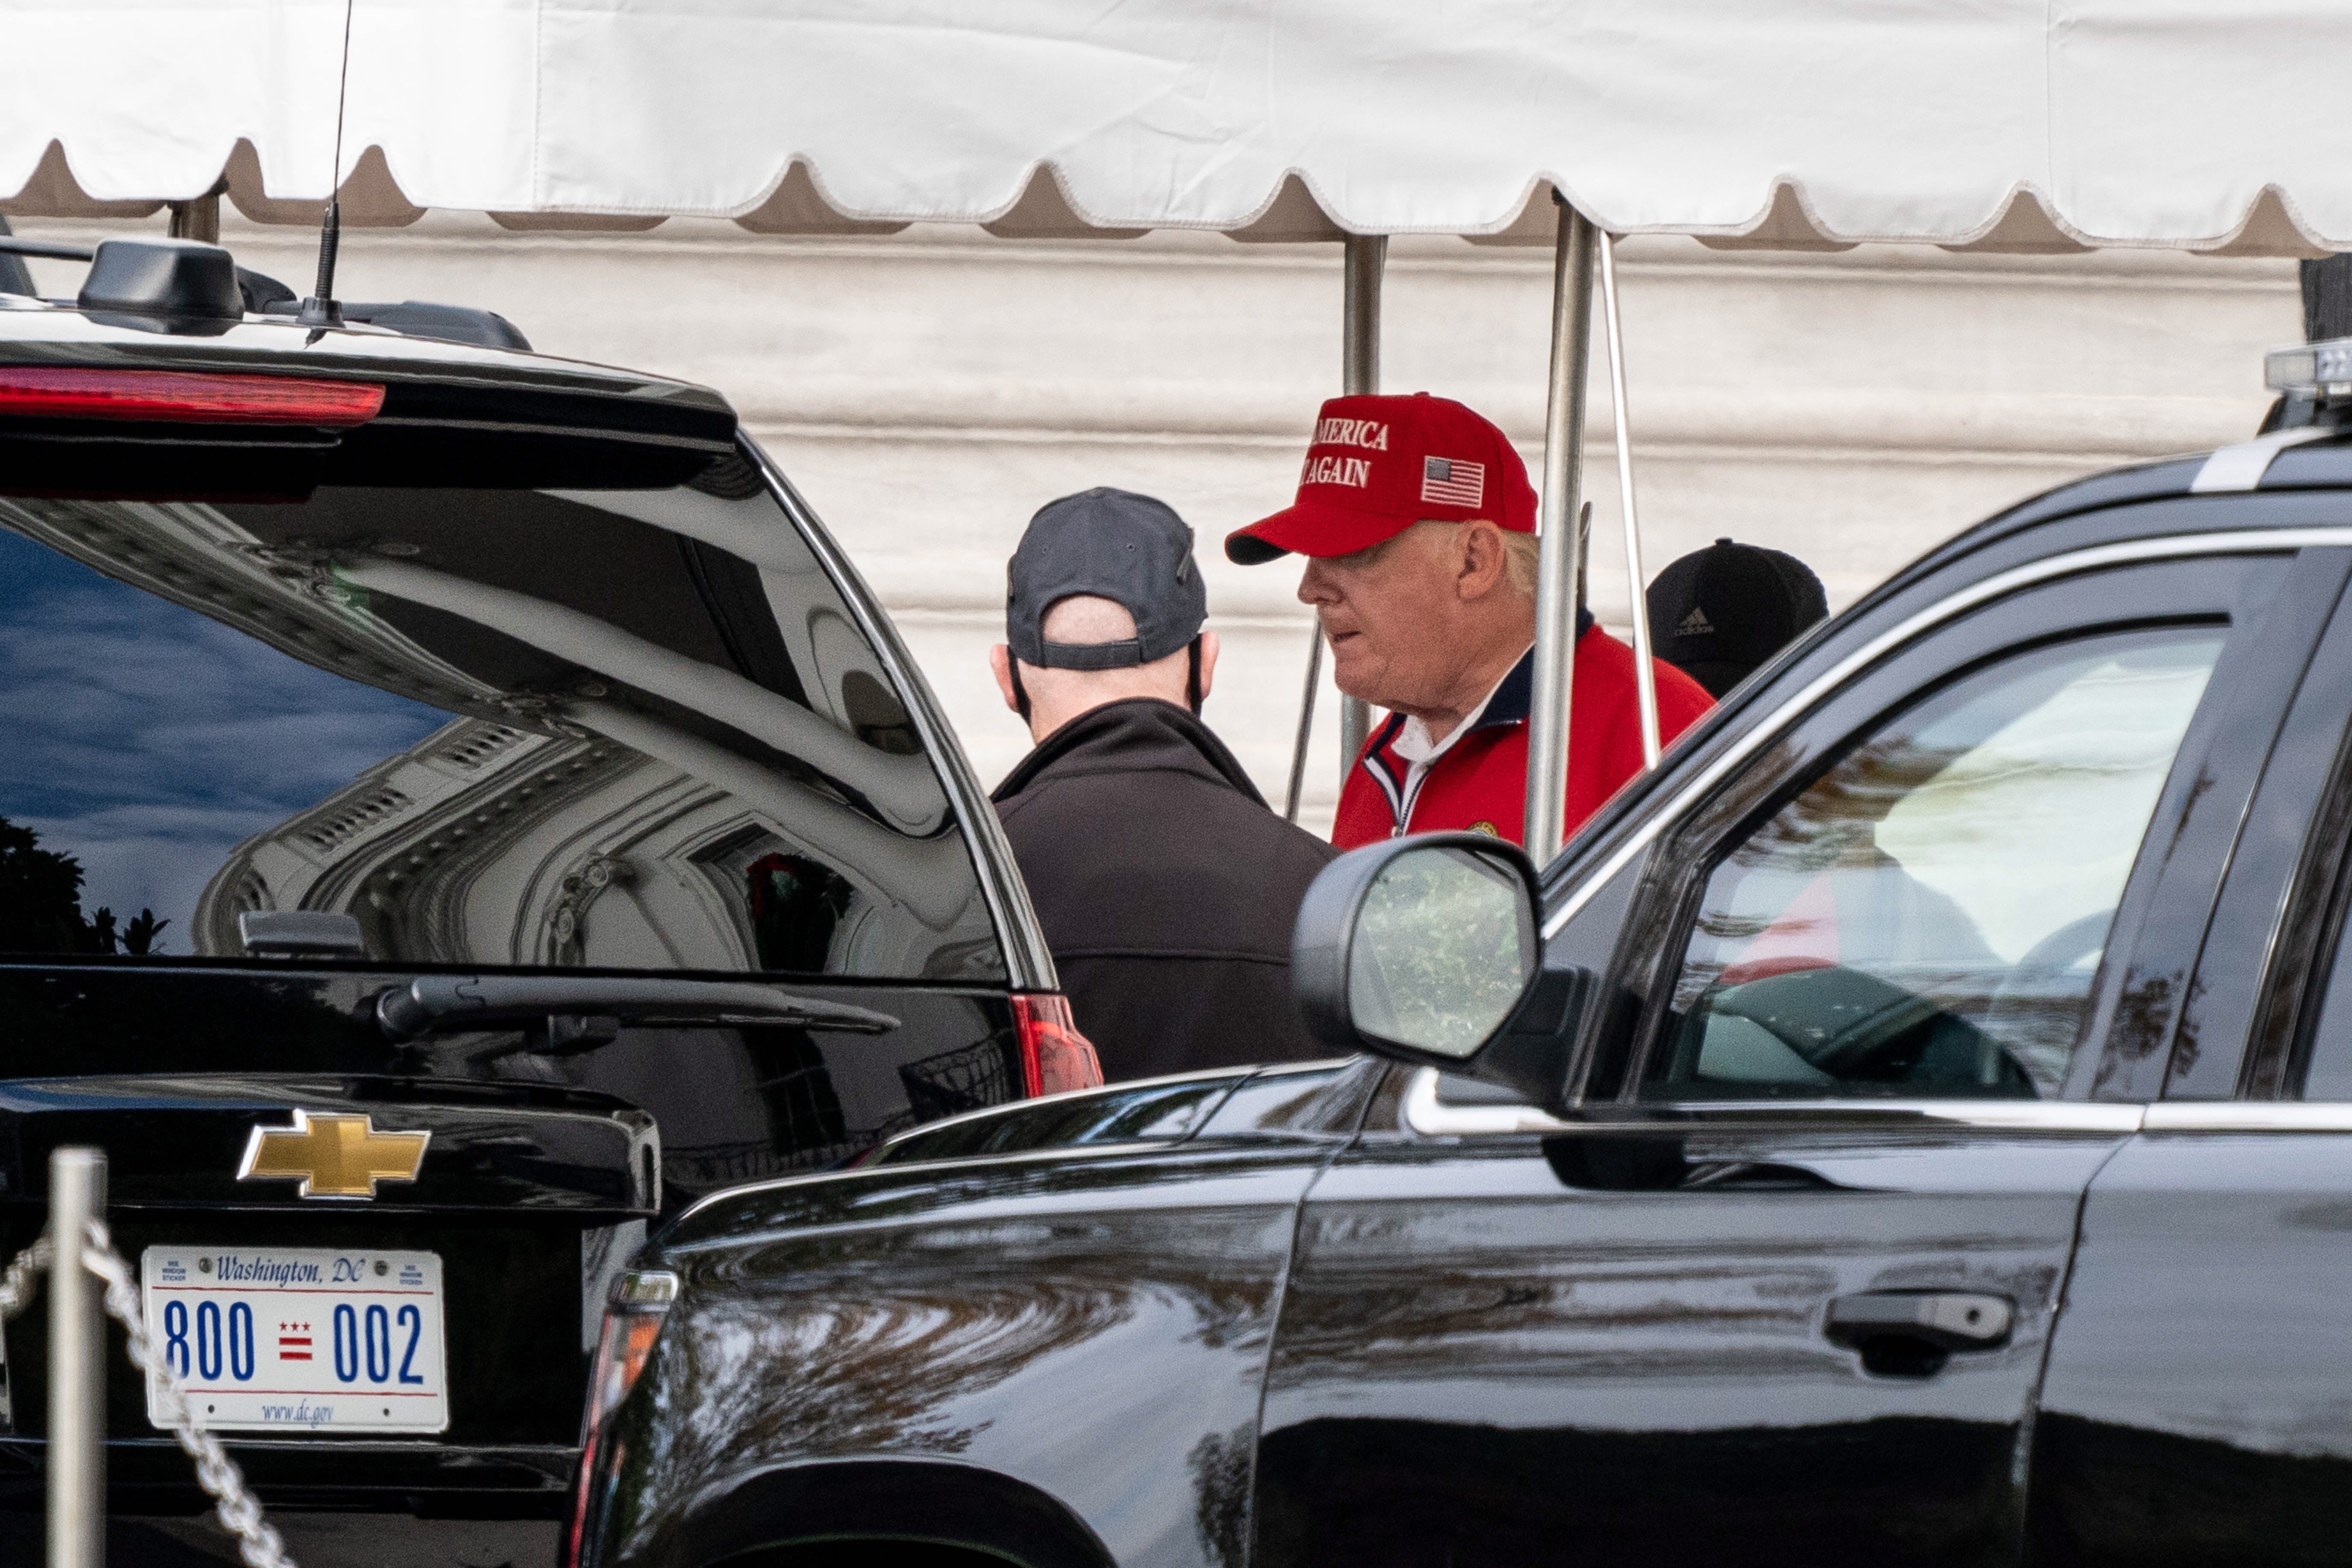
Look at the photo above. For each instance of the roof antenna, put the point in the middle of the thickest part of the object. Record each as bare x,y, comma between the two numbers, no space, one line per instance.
321,310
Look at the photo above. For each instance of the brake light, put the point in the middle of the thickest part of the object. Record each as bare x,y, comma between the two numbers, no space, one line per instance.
186,398
1054,1056
633,1313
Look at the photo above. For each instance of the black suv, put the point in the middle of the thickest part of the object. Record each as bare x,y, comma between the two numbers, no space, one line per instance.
456,807
1913,1124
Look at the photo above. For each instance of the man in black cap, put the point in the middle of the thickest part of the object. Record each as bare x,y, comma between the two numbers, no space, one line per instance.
1166,886
1719,613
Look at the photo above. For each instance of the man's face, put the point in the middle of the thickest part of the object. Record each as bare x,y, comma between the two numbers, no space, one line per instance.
1389,613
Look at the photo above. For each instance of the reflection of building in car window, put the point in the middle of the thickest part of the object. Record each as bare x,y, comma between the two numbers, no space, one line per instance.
1927,917
877,718
630,728
487,843
809,1130
797,903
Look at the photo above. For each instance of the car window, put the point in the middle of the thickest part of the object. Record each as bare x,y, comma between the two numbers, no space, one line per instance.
2327,1051
632,728
1926,918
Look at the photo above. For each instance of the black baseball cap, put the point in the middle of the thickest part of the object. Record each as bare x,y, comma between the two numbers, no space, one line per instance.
1117,545
1717,614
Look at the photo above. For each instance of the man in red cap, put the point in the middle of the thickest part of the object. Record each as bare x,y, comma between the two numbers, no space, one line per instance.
1418,524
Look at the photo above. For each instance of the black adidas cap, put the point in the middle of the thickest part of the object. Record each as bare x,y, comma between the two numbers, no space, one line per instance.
1129,549
1717,614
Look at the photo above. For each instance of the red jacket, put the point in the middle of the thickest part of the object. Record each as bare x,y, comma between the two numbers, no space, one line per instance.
1481,780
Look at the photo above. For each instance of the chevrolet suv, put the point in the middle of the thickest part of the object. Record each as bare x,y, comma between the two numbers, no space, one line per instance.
457,808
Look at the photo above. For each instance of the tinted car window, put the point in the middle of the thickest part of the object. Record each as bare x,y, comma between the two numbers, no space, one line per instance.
1927,917
630,729
2328,1052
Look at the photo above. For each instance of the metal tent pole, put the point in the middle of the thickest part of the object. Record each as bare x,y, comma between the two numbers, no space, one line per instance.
1556,573
1645,677
196,219
199,216
1368,255
1364,256
76,1443
1305,723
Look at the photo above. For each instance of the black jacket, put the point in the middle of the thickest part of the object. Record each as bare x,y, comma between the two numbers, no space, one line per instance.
1166,888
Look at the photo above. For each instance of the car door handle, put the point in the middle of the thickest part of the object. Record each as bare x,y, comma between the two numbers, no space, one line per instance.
1945,1320
432,1004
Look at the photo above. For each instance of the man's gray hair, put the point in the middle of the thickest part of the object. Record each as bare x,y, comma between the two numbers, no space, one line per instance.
1520,554
1520,551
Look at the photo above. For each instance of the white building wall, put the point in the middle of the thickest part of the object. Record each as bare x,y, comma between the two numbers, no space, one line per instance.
929,391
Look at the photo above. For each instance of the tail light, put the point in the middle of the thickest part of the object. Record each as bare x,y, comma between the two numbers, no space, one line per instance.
1054,1056
185,397
633,1321
633,1314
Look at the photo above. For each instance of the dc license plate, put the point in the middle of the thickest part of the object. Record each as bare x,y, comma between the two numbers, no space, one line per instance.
299,1339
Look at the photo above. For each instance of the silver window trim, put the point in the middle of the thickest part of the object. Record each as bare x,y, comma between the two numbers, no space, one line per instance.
2247,1116
2250,541
1428,1115
1433,1118
1028,963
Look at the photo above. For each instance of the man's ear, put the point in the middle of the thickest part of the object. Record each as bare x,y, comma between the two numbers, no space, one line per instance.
1208,663
1479,564
999,664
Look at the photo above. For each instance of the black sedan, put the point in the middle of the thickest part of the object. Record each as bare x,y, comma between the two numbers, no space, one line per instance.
1912,1125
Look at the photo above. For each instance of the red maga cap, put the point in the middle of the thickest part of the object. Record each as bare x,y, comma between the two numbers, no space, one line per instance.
1379,465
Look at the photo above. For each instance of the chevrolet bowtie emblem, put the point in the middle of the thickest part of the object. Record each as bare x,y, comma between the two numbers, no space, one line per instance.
332,1156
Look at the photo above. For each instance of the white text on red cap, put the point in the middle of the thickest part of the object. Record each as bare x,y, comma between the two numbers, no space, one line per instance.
1355,472
1368,433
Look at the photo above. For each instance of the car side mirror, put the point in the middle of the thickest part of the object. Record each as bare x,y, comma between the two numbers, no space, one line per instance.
1426,950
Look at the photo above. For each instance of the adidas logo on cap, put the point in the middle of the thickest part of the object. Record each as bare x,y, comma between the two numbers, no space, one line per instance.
1696,624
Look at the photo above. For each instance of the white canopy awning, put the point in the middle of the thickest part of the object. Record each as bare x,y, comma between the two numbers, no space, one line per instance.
2008,124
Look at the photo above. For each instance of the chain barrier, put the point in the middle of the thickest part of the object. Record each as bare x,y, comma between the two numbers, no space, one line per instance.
24,1273
239,1510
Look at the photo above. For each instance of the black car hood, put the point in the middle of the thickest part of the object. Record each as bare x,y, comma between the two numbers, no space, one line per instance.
1109,1139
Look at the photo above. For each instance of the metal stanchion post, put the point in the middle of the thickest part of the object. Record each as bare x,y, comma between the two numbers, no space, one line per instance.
77,1442
1556,571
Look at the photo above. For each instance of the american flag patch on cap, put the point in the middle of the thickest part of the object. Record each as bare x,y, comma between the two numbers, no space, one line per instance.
1450,481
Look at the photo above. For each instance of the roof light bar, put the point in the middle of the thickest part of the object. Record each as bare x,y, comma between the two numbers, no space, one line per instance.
185,397
2318,369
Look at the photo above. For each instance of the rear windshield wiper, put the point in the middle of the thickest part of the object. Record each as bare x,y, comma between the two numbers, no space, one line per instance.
438,1004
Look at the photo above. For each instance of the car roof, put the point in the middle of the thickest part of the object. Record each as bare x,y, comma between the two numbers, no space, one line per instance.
2323,461
54,333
